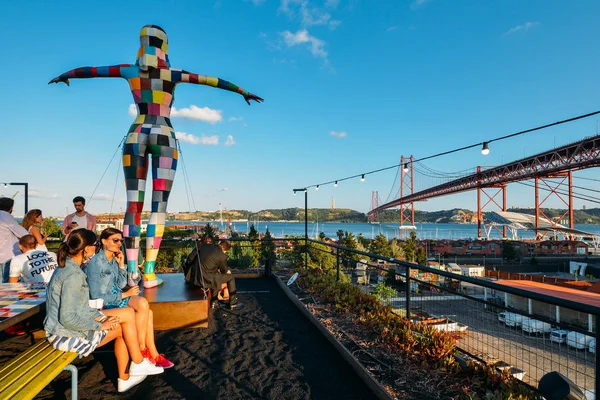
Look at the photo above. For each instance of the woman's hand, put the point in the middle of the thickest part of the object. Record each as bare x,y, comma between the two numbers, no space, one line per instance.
254,97
120,259
59,79
134,291
110,323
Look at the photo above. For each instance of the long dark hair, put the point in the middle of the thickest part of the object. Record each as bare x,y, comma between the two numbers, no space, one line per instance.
78,240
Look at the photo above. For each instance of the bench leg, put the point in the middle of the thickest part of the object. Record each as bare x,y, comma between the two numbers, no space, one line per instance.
73,370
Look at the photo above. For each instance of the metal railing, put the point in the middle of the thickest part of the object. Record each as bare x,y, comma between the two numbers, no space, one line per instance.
526,332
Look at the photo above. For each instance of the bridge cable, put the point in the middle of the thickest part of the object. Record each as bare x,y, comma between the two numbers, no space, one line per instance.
454,150
106,169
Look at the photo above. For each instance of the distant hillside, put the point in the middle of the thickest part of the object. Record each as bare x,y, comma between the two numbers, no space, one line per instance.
457,215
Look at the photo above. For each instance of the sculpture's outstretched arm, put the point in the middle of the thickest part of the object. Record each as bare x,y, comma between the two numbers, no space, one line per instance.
113,71
216,82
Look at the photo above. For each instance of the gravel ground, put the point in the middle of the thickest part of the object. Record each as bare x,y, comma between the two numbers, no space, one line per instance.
265,350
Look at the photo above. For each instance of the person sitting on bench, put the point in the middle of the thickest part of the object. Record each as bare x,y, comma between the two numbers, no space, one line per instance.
210,271
72,325
107,275
35,265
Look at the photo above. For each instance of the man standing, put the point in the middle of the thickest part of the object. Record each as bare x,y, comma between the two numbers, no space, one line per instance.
79,219
10,233
211,272
33,266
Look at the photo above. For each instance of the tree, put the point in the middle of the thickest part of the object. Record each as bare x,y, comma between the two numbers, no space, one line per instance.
322,236
349,241
410,247
51,227
396,249
267,251
340,235
508,250
381,246
208,234
253,233
421,256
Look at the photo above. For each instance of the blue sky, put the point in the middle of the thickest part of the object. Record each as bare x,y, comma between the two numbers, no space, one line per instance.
349,86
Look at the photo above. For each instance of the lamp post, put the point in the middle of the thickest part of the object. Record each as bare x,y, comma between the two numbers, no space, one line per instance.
26,185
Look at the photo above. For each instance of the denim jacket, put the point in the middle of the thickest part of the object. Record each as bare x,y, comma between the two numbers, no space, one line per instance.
101,275
67,309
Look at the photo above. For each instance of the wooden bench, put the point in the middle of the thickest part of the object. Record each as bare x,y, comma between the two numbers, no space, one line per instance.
30,372
177,305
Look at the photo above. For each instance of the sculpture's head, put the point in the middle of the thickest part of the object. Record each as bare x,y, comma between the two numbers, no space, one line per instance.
154,48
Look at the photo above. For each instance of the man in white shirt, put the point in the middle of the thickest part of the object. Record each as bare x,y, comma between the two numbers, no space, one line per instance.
79,219
33,266
10,233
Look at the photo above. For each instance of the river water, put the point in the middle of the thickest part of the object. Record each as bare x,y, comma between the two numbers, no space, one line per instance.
424,231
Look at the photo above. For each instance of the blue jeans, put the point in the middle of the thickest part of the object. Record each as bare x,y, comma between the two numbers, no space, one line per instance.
4,271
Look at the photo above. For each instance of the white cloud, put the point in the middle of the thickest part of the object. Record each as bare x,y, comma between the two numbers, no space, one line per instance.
332,3
257,2
301,9
524,28
391,28
193,112
230,141
302,37
333,24
132,111
42,194
223,189
196,113
102,196
338,134
192,139
236,118
418,3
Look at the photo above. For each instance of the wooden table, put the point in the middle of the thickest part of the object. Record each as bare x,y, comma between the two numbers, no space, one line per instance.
19,301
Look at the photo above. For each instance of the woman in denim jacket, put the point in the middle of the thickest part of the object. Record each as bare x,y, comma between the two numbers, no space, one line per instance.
72,325
107,276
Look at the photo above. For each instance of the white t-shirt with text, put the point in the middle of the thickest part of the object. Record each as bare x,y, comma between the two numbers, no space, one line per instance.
33,266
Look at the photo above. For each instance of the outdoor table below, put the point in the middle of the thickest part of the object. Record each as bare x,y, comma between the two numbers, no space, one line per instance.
19,301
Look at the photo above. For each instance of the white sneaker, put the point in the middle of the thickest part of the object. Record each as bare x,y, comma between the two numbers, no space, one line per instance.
144,368
125,385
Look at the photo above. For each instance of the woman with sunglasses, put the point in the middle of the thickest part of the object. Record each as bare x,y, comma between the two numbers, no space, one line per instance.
107,276
72,325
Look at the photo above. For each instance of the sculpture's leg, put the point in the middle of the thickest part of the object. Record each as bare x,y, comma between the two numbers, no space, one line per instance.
162,146
135,168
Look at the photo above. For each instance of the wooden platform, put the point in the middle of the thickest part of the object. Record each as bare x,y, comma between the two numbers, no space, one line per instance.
176,305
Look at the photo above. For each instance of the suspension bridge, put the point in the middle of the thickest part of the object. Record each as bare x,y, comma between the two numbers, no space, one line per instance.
551,171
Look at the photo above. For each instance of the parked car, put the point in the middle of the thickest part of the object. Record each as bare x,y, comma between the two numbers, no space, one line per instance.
578,340
513,319
558,335
531,325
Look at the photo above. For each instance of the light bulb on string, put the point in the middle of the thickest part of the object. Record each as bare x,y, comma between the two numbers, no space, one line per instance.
317,188
405,167
362,178
335,184
485,150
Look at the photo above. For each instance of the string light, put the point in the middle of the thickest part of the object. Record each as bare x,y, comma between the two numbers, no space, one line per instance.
335,184
317,188
484,150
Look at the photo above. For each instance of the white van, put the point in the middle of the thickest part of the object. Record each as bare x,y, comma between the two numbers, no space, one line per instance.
531,325
513,320
502,317
558,335
578,340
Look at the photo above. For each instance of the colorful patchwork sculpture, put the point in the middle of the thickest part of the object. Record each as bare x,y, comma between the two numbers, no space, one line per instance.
152,82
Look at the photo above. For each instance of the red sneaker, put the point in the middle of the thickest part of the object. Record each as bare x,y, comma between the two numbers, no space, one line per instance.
161,361
146,354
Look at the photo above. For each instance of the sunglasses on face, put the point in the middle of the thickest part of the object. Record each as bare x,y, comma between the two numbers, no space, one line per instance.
115,240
